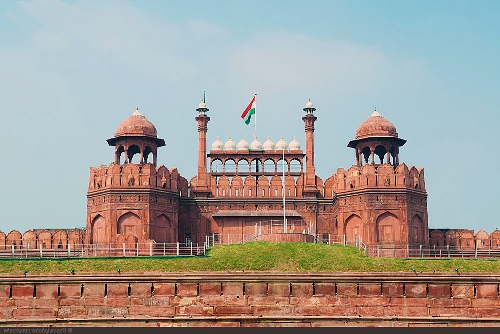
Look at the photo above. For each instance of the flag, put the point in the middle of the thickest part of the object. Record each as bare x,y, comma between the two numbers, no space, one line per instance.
249,111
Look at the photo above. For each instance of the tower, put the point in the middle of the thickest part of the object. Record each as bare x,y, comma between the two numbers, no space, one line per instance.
310,186
201,188
380,201
132,200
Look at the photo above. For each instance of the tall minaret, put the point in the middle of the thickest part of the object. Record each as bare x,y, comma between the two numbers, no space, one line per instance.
202,189
310,188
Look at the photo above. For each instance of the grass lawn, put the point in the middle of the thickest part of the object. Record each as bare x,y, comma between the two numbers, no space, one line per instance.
254,256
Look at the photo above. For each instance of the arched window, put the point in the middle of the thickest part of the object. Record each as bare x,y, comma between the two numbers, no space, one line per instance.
295,166
216,166
269,166
256,166
230,166
243,166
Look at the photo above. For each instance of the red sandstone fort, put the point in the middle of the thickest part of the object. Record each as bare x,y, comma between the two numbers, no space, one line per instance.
253,191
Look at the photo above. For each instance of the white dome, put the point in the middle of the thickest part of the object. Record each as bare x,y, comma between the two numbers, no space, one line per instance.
217,145
255,145
230,145
268,145
281,145
202,105
242,145
309,104
294,145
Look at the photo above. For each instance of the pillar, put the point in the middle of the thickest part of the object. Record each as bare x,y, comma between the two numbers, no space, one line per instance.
310,188
202,188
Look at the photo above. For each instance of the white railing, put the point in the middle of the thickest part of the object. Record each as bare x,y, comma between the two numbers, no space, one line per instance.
107,250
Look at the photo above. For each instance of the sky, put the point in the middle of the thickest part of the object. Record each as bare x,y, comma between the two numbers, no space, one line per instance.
71,71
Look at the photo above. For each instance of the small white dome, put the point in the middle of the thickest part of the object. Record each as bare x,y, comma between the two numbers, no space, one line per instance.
255,145
230,145
268,145
202,105
281,145
294,145
309,104
242,145
217,145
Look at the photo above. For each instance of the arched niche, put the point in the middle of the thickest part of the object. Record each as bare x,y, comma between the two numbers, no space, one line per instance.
129,223
353,228
98,232
417,230
388,228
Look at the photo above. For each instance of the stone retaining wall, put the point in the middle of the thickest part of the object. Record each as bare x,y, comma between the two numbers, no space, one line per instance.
251,299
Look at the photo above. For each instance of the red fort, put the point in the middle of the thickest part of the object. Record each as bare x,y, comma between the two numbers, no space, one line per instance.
255,191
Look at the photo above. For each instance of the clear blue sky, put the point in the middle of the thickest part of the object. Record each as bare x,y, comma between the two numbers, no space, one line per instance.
71,71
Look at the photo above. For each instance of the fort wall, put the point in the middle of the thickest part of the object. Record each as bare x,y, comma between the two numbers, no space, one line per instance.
251,300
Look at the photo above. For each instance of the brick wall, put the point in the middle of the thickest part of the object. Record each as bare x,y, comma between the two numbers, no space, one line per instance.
252,299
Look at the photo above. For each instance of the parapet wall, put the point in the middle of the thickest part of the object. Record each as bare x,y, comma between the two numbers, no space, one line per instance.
251,300
368,176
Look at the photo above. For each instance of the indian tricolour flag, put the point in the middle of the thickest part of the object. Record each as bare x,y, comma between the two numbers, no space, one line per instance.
249,111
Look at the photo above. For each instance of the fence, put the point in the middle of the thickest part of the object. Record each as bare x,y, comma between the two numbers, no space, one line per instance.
197,249
109,250
434,252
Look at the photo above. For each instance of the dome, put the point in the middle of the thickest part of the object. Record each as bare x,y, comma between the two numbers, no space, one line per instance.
217,145
376,126
309,104
281,145
230,145
136,125
268,145
242,145
255,145
202,105
294,145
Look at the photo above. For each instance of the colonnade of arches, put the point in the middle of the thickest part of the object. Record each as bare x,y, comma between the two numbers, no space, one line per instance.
386,153
257,165
138,154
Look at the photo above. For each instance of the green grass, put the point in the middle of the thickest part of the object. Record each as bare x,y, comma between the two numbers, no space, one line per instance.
253,256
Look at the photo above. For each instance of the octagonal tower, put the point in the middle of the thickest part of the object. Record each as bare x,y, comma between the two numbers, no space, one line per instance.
132,200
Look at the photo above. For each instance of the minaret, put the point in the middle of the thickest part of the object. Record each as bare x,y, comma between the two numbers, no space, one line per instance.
202,189
310,188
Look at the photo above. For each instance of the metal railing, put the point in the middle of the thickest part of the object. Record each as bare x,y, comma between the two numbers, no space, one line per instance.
108,250
432,252
157,249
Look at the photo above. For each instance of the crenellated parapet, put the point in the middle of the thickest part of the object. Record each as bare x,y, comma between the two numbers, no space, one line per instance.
42,239
136,176
369,176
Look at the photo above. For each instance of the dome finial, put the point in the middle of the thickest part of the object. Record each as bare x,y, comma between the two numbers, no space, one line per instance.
136,112
202,107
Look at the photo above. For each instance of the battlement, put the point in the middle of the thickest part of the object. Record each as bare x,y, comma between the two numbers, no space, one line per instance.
128,176
257,184
381,176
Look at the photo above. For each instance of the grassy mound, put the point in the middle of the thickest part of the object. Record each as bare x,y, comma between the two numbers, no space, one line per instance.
254,256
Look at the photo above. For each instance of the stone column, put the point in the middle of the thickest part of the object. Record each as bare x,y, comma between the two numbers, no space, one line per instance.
310,187
202,188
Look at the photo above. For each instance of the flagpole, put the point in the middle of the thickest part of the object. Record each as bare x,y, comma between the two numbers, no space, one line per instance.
283,183
255,119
